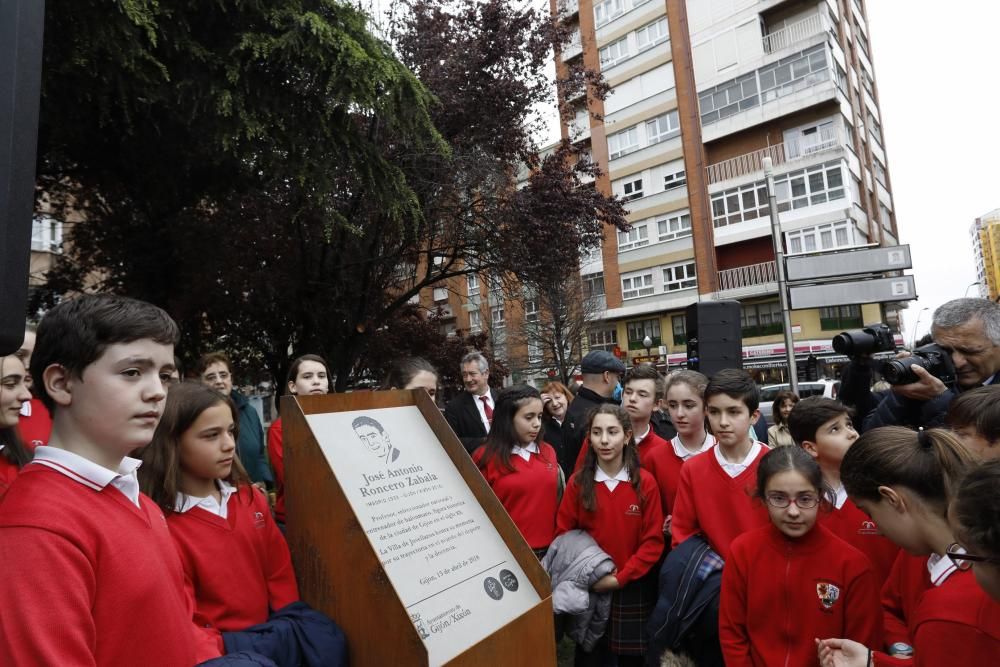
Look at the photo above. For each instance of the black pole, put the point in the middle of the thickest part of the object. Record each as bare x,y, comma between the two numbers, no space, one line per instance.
21,29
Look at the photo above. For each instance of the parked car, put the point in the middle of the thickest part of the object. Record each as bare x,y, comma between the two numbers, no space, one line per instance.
827,388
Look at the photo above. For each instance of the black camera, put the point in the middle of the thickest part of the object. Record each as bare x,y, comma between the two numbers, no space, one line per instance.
934,359
873,338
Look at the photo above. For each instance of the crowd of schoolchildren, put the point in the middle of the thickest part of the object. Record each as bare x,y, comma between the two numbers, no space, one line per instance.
131,534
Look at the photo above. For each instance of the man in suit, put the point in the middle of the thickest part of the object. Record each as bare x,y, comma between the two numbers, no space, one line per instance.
471,412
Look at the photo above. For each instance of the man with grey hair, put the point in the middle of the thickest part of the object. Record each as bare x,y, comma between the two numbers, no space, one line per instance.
969,329
471,412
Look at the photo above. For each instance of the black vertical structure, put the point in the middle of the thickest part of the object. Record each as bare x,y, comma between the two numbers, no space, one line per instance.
21,29
714,336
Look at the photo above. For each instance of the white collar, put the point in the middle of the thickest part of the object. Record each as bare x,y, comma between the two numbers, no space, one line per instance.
26,409
186,503
611,481
734,469
839,496
479,398
525,452
90,474
640,438
940,568
684,453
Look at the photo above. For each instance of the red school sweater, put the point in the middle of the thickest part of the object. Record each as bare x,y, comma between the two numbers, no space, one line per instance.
644,448
665,466
529,493
955,623
106,569
8,472
907,582
714,504
629,531
238,568
276,453
856,528
779,594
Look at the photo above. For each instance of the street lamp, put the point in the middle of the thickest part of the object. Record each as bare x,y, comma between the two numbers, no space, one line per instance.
916,327
648,342
977,283
779,265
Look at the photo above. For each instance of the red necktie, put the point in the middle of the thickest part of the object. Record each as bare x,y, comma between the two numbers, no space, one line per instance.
487,408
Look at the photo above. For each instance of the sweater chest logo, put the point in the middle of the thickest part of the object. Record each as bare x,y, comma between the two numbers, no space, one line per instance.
633,510
828,594
868,527
258,520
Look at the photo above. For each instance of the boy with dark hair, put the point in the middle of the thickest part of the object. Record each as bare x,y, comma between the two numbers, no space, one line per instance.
81,546
823,428
714,496
975,418
216,371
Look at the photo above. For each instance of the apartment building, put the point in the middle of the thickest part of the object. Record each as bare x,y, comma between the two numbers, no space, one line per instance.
985,233
702,91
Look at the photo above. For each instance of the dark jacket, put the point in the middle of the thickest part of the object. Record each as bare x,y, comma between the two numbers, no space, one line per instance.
462,415
552,433
690,582
896,410
296,634
662,426
253,454
574,428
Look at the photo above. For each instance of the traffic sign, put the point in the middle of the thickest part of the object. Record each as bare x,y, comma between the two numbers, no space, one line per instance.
900,288
847,263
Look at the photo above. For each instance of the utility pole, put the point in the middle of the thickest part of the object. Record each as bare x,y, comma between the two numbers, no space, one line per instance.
779,263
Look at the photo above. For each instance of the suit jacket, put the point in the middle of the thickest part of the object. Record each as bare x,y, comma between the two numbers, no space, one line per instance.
463,417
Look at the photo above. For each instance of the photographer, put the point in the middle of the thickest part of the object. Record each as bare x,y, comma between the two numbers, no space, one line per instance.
968,330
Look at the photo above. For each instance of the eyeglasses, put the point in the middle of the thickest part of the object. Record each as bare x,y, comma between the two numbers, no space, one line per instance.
964,561
781,501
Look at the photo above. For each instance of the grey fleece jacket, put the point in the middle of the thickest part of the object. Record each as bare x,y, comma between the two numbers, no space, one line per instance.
574,563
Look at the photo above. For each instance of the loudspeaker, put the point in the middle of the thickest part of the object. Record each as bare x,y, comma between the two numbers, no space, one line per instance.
21,23
714,336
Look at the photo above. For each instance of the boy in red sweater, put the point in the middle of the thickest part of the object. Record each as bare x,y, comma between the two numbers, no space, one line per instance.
79,543
823,428
714,497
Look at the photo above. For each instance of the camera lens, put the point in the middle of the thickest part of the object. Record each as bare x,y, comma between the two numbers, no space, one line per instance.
899,371
853,342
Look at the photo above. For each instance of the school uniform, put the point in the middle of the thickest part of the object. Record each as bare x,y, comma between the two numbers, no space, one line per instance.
81,547
664,463
955,622
236,561
778,594
8,472
856,528
276,454
35,424
630,530
715,498
644,446
529,492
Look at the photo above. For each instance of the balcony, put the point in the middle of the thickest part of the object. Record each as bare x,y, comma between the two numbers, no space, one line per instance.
568,8
746,281
825,140
792,34
573,47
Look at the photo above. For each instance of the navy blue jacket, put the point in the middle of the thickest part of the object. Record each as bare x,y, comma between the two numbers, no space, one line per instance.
295,635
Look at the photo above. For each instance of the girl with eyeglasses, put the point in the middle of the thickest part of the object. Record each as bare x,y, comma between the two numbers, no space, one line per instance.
793,580
975,517
903,480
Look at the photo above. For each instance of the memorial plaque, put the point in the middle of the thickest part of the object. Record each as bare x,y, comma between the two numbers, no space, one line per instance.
450,568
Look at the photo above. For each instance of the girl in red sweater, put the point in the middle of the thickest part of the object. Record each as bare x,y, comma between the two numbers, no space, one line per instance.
793,580
308,374
522,470
902,479
13,394
617,503
236,562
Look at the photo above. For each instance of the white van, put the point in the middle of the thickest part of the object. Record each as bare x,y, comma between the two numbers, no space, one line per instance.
827,388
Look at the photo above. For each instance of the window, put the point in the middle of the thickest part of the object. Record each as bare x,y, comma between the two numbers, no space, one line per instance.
623,143
885,216
614,53
728,98
794,73
679,324
636,285
747,202
651,33
811,139
47,234
808,187
637,331
593,285
831,236
495,284
473,282
475,321
840,317
534,351
602,339
636,237
662,128
674,226
608,10
679,276
676,179
632,189
497,317
879,172
761,319
440,294
531,310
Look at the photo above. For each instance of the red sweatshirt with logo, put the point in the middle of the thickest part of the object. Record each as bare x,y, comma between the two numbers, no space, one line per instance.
857,529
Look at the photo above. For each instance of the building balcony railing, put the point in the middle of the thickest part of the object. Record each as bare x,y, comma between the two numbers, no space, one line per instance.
573,48
826,139
748,280
793,33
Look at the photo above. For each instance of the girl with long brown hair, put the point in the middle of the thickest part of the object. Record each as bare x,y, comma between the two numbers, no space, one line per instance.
13,394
